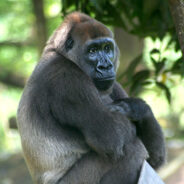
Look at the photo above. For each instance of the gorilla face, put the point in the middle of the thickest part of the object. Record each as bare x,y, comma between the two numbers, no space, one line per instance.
91,46
99,62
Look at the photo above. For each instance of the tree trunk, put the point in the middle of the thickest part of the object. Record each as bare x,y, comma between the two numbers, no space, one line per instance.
177,11
41,29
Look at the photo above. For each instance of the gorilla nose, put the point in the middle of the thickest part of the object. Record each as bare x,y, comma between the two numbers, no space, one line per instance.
104,66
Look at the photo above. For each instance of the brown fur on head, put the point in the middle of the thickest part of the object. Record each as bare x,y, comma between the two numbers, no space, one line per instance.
71,37
76,29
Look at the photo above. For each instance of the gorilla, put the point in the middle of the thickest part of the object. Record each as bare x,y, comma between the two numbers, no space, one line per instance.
77,125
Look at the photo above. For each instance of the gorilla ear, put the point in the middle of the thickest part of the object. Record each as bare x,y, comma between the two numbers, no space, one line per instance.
69,43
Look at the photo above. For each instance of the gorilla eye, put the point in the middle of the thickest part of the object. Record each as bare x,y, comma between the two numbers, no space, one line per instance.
93,50
107,48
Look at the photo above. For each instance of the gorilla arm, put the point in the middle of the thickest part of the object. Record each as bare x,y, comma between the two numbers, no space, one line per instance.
148,129
59,97
80,107
105,132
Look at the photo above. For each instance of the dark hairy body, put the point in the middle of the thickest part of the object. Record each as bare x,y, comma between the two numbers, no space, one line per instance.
77,124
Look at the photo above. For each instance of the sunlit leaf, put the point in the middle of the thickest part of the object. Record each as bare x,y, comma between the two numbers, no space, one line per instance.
166,90
141,75
137,81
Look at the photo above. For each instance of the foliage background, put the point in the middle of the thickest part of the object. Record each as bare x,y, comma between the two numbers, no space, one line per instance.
151,59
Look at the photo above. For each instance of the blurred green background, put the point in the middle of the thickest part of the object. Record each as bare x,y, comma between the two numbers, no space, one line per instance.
151,64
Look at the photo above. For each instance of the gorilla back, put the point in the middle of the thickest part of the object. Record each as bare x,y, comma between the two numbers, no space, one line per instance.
68,131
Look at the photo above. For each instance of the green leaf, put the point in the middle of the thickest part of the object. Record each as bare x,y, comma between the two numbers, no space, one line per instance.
158,65
66,4
154,51
135,88
147,82
154,62
131,68
178,67
141,75
166,90
96,4
138,81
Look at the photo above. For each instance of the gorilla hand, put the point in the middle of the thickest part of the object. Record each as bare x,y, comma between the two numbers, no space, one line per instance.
134,108
148,129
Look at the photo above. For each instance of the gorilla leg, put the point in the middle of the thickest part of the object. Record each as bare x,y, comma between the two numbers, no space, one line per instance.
88,170
93,169
128,169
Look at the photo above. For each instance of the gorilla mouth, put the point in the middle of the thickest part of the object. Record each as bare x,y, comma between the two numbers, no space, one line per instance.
104,83
105,78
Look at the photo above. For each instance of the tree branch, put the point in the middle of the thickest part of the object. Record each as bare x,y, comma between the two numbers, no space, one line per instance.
177,11
13,79
16,44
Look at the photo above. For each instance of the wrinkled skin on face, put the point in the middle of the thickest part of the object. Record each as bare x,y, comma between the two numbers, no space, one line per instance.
100,56
97,58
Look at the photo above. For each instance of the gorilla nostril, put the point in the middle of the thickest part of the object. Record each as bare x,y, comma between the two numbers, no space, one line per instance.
101,67
109,67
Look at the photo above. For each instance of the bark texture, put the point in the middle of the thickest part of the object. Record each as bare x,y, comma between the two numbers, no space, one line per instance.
38,8
177,11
